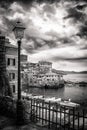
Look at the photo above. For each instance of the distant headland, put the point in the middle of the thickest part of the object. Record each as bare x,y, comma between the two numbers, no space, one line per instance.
69,72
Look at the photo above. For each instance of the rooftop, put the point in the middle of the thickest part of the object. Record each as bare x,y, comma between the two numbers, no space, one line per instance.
10,45
45,62
51,73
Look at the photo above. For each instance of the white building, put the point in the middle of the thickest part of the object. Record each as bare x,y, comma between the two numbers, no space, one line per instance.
45,66
40,74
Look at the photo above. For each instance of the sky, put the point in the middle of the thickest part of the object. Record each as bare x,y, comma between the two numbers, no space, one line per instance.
56,30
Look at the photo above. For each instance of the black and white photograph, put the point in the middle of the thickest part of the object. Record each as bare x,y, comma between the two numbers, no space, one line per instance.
43,64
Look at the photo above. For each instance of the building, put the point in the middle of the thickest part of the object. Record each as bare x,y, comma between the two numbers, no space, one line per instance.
4,81
45,66
23,65
29,70
23,58
50,79
40,74
12,64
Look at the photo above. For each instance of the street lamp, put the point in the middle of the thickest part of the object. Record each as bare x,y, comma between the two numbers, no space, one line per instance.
19,33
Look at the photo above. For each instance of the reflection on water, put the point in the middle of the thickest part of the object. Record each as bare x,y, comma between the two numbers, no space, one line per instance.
76,93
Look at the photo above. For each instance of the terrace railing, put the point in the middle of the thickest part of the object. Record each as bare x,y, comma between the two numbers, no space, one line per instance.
57,115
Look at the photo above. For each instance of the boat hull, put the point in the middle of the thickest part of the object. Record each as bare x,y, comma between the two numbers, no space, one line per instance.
53,86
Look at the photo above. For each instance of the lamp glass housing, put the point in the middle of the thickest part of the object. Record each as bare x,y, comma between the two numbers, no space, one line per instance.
18,31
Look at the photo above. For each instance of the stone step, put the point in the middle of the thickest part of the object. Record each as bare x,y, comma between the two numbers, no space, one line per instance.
5,121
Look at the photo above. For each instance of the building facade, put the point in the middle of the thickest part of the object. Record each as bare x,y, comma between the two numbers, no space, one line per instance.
45,66
12,64
23,58
40,74
5,89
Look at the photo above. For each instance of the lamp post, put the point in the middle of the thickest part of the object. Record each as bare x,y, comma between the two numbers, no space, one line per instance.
19,32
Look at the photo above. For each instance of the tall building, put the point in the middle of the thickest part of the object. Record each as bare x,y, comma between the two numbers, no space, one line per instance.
12,64
4,81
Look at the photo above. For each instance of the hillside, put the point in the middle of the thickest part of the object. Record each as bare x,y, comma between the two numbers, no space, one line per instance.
68,72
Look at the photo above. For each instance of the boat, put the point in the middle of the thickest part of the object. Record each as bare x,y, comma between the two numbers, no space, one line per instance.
82,84
54,86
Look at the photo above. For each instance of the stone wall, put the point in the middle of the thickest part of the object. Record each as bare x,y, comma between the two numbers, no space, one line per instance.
7,106
2,54
4,83
12,54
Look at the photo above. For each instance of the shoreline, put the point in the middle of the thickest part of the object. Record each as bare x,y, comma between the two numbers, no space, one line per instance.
81,101
80,84
83,104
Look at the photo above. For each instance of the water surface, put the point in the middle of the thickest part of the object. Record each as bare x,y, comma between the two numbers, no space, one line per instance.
75,93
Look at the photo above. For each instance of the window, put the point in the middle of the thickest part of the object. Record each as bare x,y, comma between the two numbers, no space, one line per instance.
8,61
22,75
11,76
13,62
13,88
30,80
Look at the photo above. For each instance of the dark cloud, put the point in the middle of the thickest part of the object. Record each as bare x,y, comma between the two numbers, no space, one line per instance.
33,44
83,30
76,15
81,6
38,43
6,3
66,40
52,44
77,59
49,9
83,48
50,28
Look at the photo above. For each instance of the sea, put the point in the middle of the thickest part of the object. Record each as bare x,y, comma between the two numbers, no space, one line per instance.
75,77
74,92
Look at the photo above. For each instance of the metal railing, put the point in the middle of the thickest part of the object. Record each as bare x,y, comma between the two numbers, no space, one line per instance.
57,116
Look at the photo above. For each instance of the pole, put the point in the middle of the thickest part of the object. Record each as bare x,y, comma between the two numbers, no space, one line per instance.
19,74
20,116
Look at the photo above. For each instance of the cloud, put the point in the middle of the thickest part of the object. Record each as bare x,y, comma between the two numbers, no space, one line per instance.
55,32
76,15
50,9
62,59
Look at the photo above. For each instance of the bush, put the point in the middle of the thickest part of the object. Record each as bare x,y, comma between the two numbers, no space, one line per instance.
7,106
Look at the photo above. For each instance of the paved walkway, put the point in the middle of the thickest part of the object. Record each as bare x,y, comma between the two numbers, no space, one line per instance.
8,124
26,127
